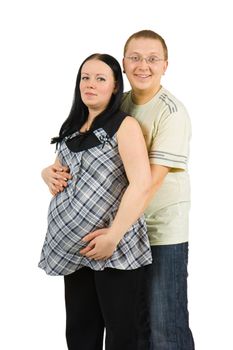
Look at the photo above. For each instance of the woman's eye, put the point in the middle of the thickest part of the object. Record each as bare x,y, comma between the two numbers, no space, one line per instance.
101,79
84,78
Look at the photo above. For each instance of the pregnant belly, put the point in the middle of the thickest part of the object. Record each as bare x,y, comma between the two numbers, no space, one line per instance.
69,220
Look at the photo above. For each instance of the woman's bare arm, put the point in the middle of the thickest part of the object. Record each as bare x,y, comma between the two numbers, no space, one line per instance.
132,149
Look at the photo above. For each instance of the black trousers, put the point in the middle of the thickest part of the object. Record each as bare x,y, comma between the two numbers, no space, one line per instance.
98,300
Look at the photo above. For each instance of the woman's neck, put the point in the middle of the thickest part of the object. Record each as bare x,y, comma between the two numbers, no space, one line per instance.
91,117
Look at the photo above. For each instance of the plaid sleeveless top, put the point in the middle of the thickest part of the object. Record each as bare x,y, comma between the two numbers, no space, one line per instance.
89,202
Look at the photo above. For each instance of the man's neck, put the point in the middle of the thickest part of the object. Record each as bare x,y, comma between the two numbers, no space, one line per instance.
140,97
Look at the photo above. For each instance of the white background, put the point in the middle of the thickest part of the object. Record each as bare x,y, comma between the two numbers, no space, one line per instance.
42,46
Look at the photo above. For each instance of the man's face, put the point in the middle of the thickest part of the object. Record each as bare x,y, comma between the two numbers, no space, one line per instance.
144,64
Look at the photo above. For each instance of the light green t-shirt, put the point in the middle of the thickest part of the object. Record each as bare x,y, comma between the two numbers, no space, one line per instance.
167,130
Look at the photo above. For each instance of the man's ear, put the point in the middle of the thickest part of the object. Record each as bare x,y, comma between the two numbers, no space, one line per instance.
165,67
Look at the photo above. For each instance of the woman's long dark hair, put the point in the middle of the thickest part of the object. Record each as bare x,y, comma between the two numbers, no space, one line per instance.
79,111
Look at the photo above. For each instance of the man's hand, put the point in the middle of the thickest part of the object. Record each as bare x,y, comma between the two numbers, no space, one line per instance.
56,177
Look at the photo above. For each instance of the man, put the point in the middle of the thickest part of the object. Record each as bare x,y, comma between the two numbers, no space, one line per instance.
166,128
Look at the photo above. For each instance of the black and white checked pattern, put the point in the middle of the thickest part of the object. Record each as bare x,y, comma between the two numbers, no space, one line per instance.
89,202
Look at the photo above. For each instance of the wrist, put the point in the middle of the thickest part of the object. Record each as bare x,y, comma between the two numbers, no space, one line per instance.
115,236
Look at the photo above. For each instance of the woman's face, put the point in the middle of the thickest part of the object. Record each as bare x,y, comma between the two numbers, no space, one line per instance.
97,84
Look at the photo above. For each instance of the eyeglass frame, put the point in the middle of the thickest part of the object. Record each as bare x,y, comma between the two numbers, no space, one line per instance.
141,58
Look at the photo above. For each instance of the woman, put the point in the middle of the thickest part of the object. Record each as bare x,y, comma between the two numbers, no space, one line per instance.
108,188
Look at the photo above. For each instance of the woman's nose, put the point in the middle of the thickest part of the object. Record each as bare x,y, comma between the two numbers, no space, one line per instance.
91,83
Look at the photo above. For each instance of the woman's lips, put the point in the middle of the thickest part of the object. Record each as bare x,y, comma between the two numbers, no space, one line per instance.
89,94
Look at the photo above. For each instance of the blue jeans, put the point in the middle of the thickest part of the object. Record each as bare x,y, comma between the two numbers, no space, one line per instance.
165,299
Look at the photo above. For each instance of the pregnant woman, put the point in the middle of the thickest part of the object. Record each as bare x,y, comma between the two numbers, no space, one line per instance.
109,188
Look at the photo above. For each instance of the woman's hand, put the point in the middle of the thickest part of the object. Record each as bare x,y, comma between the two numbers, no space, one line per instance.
101,244
56,177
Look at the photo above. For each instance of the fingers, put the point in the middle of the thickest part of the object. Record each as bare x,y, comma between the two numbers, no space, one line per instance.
65,169
55,190
59,184
56,177
58,181
86,250
91,253
92,235
52,192
99,257
60,168
62,175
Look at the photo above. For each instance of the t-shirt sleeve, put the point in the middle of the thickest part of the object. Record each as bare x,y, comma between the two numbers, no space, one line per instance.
170,142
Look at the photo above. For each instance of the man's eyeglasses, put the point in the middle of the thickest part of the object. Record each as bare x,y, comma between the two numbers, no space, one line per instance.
149,60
